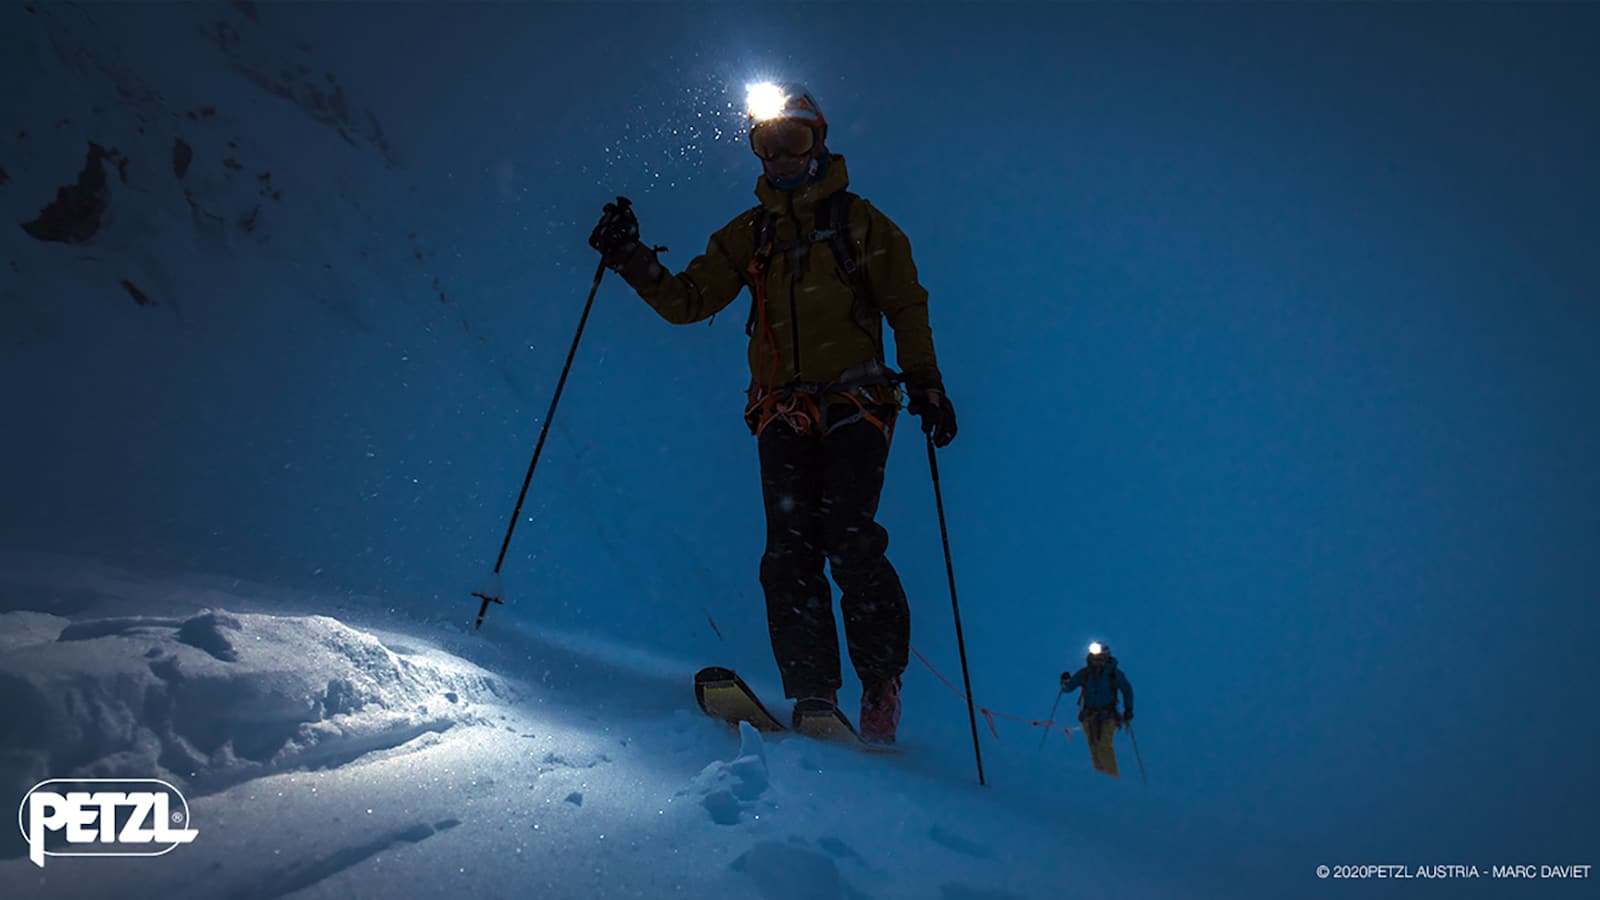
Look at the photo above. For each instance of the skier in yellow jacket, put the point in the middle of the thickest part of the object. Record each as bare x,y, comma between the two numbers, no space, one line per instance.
1101,681
825,269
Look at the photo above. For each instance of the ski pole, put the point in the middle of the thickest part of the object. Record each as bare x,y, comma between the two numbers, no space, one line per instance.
491,592
1136,755
1052,720
950,572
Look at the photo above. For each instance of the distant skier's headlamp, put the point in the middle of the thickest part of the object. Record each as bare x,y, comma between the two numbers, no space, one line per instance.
1096,648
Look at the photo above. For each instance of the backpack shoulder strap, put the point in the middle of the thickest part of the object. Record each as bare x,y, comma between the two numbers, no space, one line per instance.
833,219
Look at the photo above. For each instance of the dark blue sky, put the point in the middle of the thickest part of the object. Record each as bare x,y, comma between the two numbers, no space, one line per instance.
1271,329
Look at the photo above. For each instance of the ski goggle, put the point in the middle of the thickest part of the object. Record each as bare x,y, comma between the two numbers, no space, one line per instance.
782,137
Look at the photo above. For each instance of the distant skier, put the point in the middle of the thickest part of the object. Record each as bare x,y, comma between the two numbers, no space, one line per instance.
825,269
1101,680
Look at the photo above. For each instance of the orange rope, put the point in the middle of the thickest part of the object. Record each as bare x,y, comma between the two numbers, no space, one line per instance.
989,715
758,283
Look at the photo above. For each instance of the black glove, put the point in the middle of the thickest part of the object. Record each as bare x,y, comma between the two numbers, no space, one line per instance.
938,417
1065,677
1127,716
617,235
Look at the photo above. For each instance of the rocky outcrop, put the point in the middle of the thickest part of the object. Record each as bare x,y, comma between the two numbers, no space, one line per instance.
74,217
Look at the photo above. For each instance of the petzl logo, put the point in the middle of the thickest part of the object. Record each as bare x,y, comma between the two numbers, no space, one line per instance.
103,817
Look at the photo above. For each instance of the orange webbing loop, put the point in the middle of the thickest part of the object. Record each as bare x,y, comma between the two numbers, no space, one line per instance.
863,413
797,409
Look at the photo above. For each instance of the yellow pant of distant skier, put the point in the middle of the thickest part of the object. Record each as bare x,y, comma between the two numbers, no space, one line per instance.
1100,732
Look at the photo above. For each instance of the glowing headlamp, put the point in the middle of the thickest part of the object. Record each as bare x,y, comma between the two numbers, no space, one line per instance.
764,101
1095,649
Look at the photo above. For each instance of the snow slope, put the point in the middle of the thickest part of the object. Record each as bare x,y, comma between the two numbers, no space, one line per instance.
321,759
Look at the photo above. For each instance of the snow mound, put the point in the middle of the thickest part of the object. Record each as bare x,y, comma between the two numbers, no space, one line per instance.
729,789
19,629
216,698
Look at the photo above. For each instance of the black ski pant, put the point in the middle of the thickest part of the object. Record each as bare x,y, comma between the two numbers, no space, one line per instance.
821,496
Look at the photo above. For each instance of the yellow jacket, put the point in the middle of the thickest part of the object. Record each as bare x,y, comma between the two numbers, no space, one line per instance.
810,334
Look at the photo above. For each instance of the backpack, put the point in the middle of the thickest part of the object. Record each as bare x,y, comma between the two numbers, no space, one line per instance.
832,227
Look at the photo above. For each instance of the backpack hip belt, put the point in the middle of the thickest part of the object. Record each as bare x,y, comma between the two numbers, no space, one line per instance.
806,406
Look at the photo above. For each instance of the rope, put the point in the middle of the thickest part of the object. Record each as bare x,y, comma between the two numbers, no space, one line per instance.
990,715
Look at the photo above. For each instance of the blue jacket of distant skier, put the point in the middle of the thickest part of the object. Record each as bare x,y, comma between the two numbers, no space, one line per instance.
1100,687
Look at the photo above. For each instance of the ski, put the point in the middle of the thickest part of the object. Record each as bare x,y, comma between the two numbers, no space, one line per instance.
724,696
